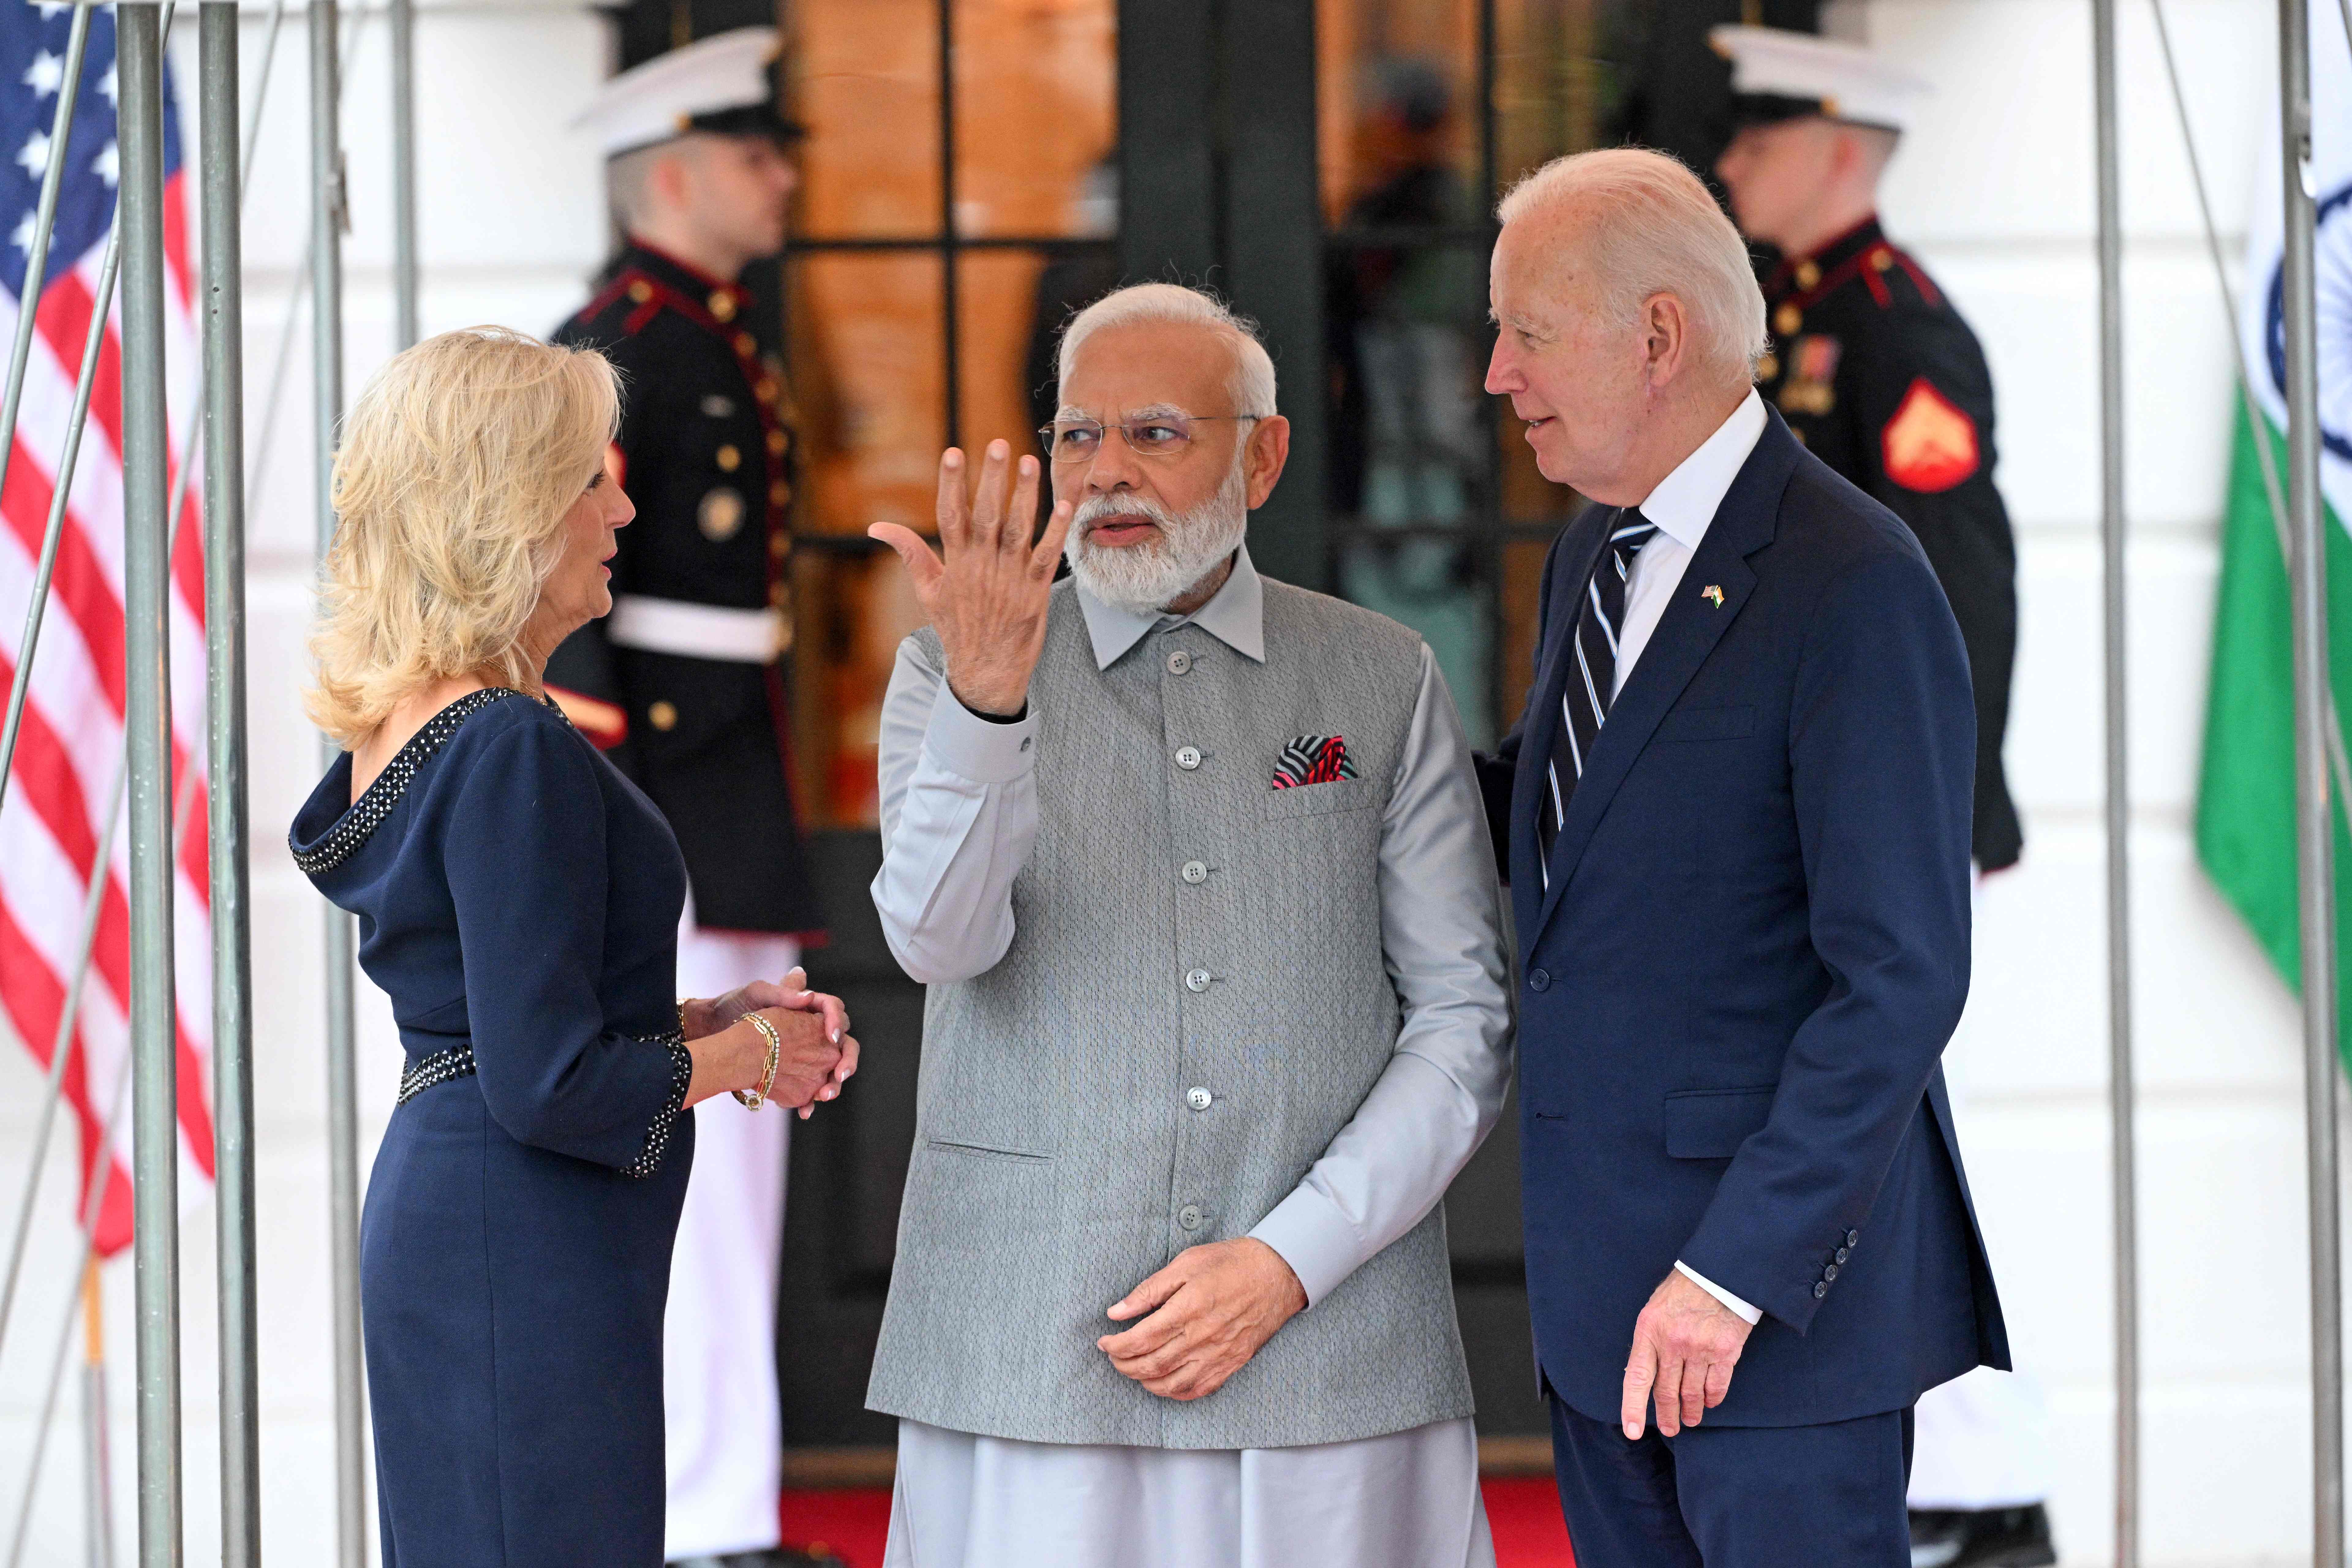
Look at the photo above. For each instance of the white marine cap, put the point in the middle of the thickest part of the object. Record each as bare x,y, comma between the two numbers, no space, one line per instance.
725,83
1779,75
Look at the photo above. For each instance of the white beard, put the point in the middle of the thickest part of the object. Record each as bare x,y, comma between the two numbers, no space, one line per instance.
1148,577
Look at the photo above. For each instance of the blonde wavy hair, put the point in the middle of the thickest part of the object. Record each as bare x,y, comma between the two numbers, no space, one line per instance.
457,465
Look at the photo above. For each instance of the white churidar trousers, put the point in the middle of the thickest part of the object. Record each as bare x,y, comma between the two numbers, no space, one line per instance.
1409,1500
719,1338
1982,1440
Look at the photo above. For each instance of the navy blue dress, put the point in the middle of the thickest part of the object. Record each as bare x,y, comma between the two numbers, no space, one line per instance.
518,899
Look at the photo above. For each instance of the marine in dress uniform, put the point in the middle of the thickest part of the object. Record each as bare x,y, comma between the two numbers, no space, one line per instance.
1882,379
683,686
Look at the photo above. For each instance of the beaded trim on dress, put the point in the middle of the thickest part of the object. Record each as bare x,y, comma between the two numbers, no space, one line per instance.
457,1061
681,1061
375,803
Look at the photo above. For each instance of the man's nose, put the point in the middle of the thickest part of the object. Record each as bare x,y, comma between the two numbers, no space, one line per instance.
1113,466
1502,374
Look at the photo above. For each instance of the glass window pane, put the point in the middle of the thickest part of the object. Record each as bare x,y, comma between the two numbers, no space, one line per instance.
1397,102
1548,83
1438,585
1036,118
851,609
864,79
867,367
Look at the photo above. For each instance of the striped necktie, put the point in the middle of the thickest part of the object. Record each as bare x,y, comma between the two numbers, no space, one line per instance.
1592,680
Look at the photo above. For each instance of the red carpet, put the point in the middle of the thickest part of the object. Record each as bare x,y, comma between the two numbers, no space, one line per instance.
853,1525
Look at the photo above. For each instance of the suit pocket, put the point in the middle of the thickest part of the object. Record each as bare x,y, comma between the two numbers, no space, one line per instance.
1316,800
985,1151
1712,1124
1707,724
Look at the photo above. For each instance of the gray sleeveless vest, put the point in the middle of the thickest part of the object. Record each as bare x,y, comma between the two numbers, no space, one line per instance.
1181,925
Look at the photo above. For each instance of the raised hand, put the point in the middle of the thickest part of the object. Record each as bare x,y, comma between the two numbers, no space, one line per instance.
988,599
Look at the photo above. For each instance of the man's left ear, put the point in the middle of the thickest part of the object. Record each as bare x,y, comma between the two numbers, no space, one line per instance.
1268,450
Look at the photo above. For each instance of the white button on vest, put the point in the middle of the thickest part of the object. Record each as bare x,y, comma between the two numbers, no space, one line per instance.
1199,1098
1195,872
1188,757
1198,979
1180,662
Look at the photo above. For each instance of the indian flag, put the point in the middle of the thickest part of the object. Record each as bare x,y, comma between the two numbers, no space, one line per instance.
2245,802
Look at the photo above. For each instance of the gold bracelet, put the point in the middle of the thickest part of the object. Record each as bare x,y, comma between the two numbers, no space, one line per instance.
756,1098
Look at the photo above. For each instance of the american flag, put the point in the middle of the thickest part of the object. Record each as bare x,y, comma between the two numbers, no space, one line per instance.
72,744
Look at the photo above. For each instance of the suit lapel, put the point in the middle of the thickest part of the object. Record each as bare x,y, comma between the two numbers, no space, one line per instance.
1693,624
1574,568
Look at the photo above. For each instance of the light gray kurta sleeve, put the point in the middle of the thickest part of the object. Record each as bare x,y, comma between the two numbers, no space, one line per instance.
959,817
1442,934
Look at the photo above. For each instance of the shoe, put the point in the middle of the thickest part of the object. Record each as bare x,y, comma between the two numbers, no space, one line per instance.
1982,1538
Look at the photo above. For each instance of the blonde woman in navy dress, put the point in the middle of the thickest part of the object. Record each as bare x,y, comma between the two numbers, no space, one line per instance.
518,903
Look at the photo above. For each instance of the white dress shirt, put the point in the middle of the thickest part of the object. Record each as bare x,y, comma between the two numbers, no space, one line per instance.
1683,506
958,819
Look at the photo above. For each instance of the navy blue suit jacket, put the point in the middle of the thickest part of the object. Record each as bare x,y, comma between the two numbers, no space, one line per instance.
1736,994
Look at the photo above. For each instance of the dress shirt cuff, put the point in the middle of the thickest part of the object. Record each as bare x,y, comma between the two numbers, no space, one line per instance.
1749,1315
986,751
1314,1237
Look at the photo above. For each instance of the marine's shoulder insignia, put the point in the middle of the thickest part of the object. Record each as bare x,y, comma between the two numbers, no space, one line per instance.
1930,445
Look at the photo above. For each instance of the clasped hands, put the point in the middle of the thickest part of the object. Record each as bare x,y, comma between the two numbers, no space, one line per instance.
819,1053
1208,1311
1686,1343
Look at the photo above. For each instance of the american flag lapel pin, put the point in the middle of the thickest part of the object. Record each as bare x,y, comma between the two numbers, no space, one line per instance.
1714,593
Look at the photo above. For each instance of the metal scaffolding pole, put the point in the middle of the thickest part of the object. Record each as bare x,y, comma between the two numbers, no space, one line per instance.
223,314
2124,1184
403,172
327,218
146,460
2314,835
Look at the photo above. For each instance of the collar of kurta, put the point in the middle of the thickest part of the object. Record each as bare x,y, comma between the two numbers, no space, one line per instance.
1234,616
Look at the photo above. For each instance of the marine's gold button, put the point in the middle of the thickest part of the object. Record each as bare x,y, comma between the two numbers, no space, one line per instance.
1881,260
1768,367
1788,319
745,343
661,715
720,515
1808,273
729,459
780,546
777,442
641,290
768,388
723,304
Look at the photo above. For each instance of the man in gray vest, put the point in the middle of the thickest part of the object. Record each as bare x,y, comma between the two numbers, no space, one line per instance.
1192,863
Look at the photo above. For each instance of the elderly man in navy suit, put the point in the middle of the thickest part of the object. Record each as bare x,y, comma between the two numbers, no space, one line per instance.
1735,821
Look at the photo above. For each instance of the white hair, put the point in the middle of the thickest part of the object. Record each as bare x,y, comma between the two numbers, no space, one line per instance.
1651,228
1172,304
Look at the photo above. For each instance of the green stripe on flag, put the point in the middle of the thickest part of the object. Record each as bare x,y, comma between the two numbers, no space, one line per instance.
2245,795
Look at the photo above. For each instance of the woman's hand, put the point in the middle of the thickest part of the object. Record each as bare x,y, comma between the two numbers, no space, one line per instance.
809,1068
791,994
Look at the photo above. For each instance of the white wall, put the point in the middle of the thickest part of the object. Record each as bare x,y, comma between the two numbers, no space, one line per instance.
512,224
1994,192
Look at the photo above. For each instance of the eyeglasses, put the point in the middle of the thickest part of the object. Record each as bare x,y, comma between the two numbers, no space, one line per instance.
1148,435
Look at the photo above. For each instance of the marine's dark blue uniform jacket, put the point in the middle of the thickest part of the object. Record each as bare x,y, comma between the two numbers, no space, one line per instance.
1753,951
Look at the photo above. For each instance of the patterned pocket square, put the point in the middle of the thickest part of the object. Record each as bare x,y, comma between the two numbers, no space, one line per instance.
1314,759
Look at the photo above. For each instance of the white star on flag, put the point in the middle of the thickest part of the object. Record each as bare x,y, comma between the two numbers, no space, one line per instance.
51,8
22,238
46,74
107,165
35,154
106,84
